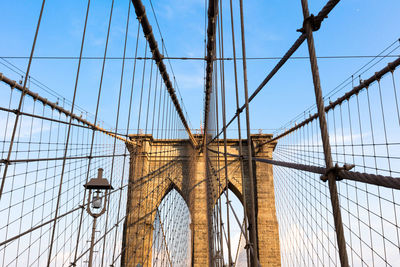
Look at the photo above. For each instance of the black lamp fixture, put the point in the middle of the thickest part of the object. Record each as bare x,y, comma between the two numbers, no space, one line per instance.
98,190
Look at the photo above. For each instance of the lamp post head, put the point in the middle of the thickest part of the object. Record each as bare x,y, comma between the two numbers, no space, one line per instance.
98,183
98,200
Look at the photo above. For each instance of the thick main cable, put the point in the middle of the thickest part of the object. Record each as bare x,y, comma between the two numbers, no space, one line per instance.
158,58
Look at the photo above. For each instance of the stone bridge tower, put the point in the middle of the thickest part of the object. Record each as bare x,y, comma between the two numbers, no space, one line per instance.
186,172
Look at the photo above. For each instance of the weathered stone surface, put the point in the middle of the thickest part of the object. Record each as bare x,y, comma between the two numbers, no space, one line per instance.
187,174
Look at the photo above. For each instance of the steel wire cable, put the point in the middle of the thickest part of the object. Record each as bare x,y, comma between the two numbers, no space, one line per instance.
53,155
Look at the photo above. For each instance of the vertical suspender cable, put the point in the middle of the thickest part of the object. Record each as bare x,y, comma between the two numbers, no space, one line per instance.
240,138
222,74
252,213
218,176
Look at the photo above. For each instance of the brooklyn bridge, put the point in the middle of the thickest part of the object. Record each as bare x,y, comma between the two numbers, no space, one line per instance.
268,136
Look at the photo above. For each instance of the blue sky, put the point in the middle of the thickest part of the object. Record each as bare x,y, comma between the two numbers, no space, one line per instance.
355,27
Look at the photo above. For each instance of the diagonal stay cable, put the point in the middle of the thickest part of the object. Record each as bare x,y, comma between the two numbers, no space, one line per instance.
350,80
21,99
318,20
389,68
95,121
67,139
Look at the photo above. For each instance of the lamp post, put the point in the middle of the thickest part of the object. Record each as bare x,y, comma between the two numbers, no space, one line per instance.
98,190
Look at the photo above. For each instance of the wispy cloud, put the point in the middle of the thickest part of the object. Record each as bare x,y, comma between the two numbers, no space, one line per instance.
30,127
